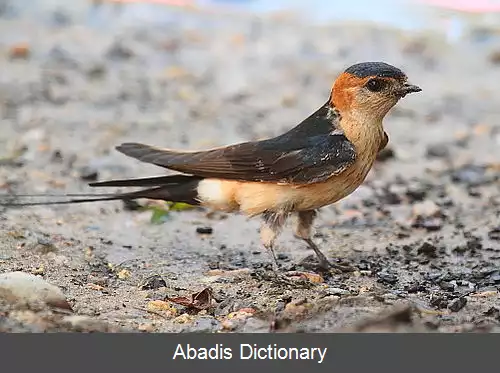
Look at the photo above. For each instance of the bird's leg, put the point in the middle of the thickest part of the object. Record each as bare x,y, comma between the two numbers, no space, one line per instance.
271,228
303,231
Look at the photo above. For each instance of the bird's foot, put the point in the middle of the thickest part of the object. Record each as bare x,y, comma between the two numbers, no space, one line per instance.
324,263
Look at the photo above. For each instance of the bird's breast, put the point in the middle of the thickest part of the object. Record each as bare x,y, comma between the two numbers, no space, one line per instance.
335,188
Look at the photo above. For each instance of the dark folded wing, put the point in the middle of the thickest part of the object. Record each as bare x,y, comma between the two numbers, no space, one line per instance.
285,159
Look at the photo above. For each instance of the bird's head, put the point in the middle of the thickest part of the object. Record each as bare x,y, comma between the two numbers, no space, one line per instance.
370,90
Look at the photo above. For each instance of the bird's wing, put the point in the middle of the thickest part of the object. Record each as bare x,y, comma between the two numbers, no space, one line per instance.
311,152
312,160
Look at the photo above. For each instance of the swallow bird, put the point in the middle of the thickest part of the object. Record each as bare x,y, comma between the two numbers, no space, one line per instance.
318,162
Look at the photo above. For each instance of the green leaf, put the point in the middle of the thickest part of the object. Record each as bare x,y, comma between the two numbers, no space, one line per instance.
159,215
180,206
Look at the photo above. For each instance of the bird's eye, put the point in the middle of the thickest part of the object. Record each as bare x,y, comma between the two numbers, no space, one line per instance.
375,85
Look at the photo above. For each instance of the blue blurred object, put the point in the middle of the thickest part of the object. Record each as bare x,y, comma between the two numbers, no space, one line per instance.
400,14
392,12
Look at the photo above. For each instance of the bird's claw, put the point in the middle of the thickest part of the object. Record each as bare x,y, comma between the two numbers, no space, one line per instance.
325,264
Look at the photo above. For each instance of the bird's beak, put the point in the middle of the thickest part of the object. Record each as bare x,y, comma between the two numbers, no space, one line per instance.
409,88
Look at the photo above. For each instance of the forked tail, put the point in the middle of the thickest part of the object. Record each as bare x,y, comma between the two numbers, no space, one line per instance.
174,188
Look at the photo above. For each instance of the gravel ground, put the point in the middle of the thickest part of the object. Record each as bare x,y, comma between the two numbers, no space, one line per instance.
423,232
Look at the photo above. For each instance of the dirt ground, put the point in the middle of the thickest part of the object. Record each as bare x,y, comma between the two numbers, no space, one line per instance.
423,232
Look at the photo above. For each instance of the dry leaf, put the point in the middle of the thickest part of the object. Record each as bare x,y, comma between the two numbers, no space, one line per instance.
199,301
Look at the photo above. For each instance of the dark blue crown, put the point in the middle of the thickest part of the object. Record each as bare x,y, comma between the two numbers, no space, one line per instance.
380,69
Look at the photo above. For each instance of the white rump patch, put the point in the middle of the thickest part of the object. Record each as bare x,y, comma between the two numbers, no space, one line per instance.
210,192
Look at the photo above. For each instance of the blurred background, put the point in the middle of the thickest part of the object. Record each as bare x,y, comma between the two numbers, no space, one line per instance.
186,73
79,77
86,65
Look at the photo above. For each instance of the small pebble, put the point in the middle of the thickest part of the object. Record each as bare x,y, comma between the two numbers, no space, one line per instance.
471,175
25,287
88,174
160,306
206,325
45,246
457,304
438,302
493,312
147,327
448,286
427,215
387,277
96,71
426,209
438,151
416,192
495,57
428,249
82,323
494,234
153,282
57,156
59,57
282,256
204,230
495,278
118,51
338,291
61,18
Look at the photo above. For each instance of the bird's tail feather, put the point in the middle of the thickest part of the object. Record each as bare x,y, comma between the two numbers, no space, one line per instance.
175,188
147,181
